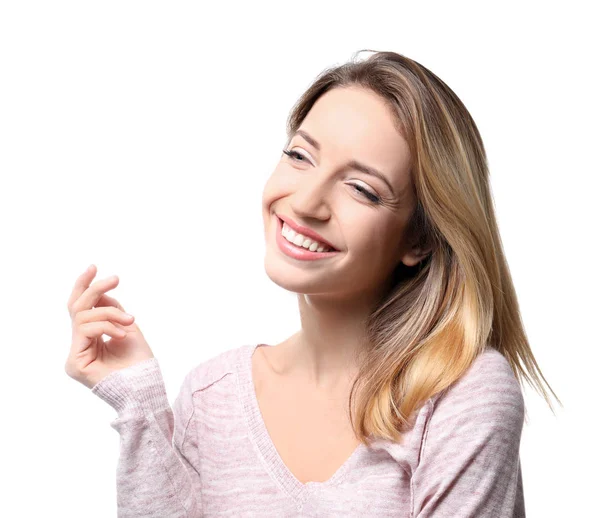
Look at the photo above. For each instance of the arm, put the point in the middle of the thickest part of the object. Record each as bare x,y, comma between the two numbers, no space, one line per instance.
154,475
469,465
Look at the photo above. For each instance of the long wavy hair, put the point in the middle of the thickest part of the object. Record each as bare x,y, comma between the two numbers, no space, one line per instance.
436,317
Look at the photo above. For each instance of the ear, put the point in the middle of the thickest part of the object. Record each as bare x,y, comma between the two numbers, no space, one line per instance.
414,247
414,256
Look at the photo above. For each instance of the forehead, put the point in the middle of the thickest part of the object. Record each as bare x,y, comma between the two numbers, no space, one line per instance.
354,123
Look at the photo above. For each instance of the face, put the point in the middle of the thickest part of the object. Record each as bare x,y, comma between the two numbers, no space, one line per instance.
361,215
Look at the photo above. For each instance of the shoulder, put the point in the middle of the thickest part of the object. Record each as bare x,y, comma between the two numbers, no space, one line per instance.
488,393
482,409
490,374
216,368
468,456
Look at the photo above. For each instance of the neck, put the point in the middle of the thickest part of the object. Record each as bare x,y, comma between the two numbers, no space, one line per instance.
326,351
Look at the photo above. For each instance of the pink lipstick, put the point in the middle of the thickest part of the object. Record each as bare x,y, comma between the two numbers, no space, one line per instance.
305,231
298,252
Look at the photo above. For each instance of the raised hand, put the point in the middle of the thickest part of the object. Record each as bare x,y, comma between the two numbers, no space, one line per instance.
93,313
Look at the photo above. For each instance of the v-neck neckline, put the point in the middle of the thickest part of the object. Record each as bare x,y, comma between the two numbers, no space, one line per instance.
264,444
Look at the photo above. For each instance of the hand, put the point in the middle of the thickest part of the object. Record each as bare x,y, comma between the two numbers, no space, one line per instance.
93,313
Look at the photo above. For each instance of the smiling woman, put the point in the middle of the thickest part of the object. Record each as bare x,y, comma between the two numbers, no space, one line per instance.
401,393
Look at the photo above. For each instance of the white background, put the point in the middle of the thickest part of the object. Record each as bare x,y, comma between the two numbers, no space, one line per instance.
138,136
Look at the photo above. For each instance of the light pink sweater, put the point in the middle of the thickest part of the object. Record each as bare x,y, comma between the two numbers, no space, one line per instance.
211,455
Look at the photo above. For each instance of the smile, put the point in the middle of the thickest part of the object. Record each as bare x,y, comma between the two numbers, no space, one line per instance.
291,243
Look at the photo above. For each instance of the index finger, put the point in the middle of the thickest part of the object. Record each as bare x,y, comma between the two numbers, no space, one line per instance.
81,284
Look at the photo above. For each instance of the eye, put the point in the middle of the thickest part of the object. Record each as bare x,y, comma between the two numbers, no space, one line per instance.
297,157
294,155
367,194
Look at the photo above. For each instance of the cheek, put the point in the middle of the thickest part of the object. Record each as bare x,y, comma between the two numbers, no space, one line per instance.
277,186
268,191
271,193
367,232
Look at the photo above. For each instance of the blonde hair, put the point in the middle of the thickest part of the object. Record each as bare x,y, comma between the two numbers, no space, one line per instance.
438,316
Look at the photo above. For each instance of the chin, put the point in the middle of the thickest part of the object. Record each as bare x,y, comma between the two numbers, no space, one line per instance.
296,280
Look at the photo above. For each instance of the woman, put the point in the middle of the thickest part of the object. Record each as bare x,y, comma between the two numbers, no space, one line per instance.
399,395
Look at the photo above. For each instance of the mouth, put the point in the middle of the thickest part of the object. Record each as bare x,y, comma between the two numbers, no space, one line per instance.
299,252
308,233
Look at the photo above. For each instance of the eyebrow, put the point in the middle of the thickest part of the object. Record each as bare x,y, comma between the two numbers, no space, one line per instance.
355,164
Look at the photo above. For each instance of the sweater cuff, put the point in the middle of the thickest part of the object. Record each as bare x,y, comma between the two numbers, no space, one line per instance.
134,391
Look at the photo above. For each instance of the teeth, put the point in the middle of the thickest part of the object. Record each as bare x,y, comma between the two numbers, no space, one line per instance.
299,240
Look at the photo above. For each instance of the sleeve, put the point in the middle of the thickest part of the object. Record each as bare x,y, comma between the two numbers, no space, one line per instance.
469,463
155,472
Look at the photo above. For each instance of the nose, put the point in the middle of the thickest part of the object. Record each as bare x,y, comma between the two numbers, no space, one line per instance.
311,196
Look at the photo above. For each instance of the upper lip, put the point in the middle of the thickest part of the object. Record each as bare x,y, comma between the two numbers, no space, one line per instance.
305,231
